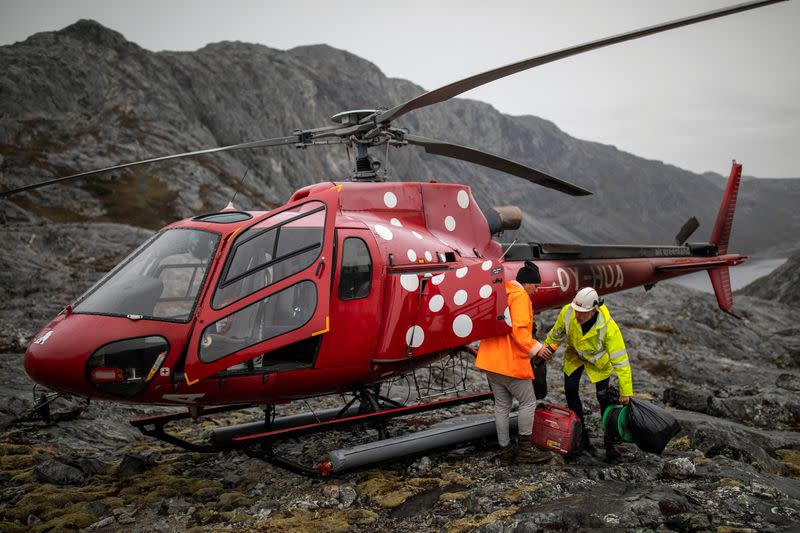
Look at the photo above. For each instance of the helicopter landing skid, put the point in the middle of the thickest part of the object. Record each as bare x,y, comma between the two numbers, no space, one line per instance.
258,439
153,426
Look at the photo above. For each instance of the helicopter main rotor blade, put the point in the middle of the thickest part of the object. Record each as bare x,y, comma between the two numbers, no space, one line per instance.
471,155
454,89
264,143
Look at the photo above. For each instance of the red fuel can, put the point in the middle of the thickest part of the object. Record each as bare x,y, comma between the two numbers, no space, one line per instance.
557,429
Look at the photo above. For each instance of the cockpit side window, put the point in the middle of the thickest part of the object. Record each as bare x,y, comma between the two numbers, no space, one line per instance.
355,279
272,250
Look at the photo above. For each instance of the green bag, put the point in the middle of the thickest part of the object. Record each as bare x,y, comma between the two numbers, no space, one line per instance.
615,423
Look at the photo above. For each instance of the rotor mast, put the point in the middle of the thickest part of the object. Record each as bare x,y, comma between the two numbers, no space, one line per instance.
367,167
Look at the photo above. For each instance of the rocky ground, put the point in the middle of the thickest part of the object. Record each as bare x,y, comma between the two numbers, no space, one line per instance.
733,385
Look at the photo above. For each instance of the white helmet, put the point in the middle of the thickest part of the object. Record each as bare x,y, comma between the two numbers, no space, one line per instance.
586,300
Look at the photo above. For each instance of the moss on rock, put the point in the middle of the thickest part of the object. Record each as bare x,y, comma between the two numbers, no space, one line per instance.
791,458
464,525
681,444
361,517
453,496
233,500
304,521
516,495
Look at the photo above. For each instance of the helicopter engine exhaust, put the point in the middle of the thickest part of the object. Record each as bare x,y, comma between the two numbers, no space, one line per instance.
506,217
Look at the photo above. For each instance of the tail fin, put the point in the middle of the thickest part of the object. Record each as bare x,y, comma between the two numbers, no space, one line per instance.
721,282
721,276
722,229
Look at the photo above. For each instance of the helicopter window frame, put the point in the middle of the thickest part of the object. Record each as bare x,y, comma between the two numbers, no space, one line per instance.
216,217
136,253
224,320
358,296
224,282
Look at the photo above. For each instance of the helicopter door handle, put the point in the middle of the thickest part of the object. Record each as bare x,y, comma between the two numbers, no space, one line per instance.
320,267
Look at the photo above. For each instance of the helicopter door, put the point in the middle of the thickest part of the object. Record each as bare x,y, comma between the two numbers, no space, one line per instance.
273,289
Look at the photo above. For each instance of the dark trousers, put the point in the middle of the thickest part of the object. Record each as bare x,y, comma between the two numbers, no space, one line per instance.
571,389
539,367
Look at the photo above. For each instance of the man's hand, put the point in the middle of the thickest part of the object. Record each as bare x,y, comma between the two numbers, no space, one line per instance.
545,353
624,400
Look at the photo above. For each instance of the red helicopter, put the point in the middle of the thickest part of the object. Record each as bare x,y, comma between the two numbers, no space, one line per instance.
347,285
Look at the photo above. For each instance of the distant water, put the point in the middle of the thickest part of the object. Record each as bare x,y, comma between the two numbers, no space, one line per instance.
741,275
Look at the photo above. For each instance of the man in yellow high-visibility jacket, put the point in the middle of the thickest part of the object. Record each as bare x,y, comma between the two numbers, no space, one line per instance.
506,359
594,344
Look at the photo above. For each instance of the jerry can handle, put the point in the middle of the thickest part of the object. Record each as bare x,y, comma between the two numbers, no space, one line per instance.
558,409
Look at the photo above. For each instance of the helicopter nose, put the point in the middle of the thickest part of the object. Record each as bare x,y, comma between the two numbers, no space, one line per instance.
96,356
47,367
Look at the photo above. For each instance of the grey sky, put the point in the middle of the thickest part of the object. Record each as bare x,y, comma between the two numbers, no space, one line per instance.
694,97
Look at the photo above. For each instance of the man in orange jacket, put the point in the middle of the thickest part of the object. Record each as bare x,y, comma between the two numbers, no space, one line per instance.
507,363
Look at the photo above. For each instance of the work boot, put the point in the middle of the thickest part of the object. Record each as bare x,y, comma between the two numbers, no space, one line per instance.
612,453
528,453
508,454
586,443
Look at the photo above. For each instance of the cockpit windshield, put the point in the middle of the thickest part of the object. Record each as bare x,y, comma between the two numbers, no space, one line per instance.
160,280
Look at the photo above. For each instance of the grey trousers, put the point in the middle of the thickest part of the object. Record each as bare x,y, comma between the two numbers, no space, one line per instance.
505,388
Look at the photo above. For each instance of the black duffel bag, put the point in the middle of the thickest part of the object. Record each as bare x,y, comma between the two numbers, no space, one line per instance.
652,427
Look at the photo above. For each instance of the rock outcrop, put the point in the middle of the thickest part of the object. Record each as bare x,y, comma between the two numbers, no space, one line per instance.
780,285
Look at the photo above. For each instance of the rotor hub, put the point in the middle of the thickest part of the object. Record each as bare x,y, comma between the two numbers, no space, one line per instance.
352,117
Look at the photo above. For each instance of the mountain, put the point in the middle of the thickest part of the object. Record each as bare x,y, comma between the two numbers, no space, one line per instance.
780,285
85,97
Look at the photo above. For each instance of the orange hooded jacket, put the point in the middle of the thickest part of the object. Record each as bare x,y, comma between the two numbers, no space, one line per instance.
509,354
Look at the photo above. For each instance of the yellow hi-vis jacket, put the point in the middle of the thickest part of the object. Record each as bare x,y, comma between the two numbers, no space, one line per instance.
509,354
599,351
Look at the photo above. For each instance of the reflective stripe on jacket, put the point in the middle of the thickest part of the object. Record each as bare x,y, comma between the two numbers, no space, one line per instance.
600,351
509,354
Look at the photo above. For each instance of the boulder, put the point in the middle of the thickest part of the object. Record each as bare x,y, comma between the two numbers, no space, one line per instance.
58,473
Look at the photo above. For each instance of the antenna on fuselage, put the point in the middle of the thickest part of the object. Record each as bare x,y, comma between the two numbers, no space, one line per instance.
236,191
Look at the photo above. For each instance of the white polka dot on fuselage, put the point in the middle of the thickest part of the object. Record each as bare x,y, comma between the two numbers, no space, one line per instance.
450,223
415,336
390,200
463,199
460,297
436,303
462,326
461,272
437,279
412,256
409,282
383,232
486,265
428,256
485,291
395,222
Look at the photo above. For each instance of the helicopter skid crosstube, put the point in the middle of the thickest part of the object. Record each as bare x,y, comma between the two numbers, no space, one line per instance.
256,442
